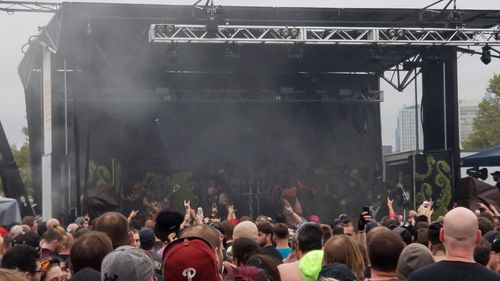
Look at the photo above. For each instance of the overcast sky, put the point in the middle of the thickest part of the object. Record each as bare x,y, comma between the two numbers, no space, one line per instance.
15,30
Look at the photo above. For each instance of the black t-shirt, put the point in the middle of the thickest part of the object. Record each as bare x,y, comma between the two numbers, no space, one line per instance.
454,270
273,253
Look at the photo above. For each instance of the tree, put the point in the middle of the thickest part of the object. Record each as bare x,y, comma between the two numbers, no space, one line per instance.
22,157
486,126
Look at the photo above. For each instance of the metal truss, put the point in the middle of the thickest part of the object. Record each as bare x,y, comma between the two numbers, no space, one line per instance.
285,95
29,6
403,74
241,34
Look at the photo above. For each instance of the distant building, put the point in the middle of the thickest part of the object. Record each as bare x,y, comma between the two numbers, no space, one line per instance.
406,135
386,149
467,110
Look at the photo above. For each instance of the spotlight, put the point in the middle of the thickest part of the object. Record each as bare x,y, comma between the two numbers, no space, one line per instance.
400,33
393,33
294,33
455,18
285,33
160,29
170,28
486,55
212,26
497,35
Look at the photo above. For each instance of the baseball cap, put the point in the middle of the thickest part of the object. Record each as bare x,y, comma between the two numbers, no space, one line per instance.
127,263
168,223
147,238
190,259
495,245
27,238
413,257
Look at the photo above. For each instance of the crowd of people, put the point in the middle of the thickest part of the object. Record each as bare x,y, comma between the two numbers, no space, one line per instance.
170,246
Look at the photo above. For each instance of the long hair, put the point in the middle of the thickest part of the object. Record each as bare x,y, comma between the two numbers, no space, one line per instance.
343,249
267,264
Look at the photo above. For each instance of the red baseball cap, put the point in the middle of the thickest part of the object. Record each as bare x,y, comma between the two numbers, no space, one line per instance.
190,259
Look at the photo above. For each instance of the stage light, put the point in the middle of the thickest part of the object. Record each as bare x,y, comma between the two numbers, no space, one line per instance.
212,26
285,33
393,33
400,33
497,35
294,33
160,29
170,28
477,173
486,55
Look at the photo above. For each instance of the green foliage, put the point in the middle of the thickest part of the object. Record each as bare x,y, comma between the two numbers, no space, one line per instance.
486,132
23,160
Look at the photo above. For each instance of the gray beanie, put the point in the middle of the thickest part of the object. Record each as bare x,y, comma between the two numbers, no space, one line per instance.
413,257
127,263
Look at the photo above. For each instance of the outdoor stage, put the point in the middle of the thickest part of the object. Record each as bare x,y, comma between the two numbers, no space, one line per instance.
180,97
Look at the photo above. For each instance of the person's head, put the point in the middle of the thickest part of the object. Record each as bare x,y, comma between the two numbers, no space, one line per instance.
266,264
496,176
52,223
435,243
327,232
309,237
494,263
167,226
115,225
11,275
413,257
127,263
228,228
89,250
246,273
460,231
23,258
31,222
404,233
350,228
335,272
54,238
51,269
209,234
281,231
243,249
190,259
147,238
484,224
422,237
72,227
265,234
384,248
66,244
343,249
482,252
134,240
246,229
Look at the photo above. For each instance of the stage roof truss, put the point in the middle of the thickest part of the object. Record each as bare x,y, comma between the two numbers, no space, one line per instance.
403,74
242,34
29,6
283,95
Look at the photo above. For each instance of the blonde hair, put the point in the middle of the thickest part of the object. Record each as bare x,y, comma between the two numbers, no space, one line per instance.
343,249
11,275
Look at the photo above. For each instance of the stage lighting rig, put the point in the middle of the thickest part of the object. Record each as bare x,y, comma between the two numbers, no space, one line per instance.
289,33
215,16
396,33
486,55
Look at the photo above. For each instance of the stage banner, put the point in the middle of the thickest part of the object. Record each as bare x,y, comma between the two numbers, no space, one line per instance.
433,181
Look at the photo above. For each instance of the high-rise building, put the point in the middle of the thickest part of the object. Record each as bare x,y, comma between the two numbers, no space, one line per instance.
467,112
406,135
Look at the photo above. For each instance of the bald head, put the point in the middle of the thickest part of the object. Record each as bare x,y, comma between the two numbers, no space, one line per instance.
460,228
246,229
